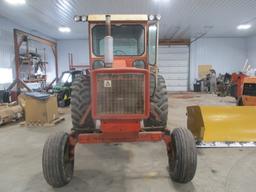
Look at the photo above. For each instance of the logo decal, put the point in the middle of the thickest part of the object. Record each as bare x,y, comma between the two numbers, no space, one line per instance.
107,83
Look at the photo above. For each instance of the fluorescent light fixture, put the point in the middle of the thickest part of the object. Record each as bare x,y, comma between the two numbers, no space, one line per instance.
64,29
244,26
161,1
16,2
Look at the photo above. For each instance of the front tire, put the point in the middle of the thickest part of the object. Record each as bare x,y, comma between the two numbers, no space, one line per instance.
182,156
58,165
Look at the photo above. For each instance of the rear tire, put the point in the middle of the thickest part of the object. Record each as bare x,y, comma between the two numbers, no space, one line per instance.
80,101
159,106
183,156
57,165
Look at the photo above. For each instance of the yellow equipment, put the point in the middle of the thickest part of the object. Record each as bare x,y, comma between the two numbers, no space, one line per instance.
248,97
222,123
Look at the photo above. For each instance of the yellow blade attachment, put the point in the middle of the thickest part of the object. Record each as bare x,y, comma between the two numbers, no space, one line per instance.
222,123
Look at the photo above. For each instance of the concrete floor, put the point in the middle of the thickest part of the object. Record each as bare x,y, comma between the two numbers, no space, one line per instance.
129,167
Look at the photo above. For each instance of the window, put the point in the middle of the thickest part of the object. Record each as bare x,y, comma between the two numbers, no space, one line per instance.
152,44
77,75
6,75
128,39
249,89
66,78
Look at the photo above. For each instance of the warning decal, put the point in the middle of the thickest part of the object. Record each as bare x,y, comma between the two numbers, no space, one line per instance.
107,83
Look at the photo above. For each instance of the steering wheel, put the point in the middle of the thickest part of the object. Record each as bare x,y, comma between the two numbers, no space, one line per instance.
119,52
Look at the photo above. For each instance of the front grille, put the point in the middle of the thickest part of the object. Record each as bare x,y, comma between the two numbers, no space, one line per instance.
249,89
120,93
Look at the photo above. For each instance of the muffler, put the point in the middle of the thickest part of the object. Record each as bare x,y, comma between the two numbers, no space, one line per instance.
108,43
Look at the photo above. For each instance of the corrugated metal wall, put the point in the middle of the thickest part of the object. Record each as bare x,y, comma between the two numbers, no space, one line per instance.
224,54
190,17
6,48
6,53
173,64
251,50
79,49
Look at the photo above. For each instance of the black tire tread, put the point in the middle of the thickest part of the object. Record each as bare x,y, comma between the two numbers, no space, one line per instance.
53,160
186,156
80,101
159,105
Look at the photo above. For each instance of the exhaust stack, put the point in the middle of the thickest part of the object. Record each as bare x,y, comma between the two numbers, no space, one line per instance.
108,44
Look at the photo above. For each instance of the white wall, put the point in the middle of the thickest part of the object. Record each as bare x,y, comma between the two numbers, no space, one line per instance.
7,56
224,54
251,50
79,49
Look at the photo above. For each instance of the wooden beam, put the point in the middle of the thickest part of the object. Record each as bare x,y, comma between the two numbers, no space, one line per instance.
174,42
36,38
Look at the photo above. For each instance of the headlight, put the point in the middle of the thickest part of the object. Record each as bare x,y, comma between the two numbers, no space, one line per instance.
77,18
151,17
139,64
82,18
158,17
98,64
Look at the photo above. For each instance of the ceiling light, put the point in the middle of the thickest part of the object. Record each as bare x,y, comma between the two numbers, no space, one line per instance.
16,2
64,29
161,1
244,26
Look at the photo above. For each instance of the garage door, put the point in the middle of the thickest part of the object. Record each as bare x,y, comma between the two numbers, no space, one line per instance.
173,64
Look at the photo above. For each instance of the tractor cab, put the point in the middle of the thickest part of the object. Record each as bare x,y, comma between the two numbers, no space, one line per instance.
67,77
63,86
123,55
128,40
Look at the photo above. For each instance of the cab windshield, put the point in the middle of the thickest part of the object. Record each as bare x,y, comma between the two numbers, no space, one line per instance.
128,39
66,78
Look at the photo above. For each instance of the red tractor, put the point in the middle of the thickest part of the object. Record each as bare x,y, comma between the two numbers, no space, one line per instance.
121,99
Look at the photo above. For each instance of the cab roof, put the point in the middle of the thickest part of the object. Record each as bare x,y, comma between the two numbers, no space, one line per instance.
118,17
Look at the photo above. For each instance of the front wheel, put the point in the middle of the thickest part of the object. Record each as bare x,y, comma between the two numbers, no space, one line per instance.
57,163
182,156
